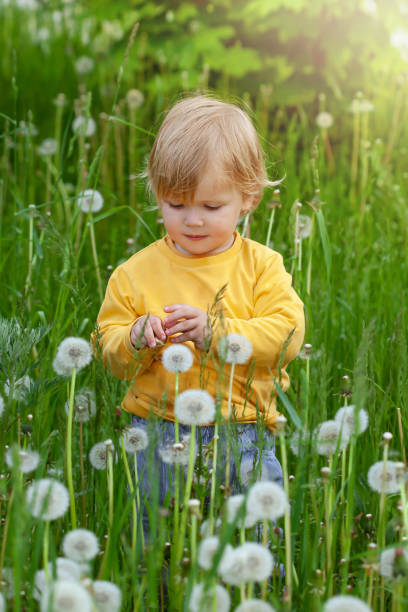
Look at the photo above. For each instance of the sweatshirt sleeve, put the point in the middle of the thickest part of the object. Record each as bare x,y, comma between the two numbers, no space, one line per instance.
277,312
119,311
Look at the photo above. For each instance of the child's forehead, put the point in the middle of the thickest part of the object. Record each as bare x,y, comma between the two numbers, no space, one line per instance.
210,186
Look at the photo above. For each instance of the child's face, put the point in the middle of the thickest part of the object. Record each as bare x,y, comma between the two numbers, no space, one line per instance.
205,224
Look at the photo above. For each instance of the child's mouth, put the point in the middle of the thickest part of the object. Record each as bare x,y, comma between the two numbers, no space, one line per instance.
193,237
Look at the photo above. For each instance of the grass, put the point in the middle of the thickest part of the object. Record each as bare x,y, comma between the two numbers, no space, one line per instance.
351,273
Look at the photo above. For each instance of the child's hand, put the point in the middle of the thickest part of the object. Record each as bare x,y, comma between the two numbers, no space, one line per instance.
147,333
191,322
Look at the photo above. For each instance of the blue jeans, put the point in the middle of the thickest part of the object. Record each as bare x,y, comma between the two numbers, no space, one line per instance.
250,458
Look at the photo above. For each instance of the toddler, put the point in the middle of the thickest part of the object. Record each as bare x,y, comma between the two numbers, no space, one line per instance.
206,170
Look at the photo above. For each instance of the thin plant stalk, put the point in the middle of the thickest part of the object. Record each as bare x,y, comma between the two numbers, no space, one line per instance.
187,493
270,225
265,533
214,476
27,286
81,465
138,505
132,495
228,442
70,420
288,536
96,260
46,547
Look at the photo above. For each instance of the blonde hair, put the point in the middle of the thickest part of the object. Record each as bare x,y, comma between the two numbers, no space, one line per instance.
200,131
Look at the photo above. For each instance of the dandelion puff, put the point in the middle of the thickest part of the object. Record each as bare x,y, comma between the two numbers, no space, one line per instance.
235,348
346,603
66,596
47,499
330,437
195,407
249,472
26,459
80,545
84,125
346,416
324,120
20,389
107,595
49,146
84,65
98,455
84,405
7,582
90,200
205,527
134,98
207,551
254,605
65,569
394,562
177,358
234,505
176,454
72,353
304,227
202,601
266,500
135,439
250,562
391,480
297,443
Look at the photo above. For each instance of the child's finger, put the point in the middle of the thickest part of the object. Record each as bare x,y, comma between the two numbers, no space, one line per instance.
149,335
158,330
181,326
183,311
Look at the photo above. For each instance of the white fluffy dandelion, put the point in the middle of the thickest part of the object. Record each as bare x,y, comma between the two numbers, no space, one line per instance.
65,569
47,499
20,389
66,596
329,437
254,605
394,562
207,551
84,65
391,479
234,505
26,459
90,200
98,455
84,125
304,226
135,439
346,603
324,120
49,146
353,420
84,405
72,353
249,471
108,596
195,407
177,358
177,453
250,562
7,582
202,601
298,443
235,348
80,545
205,527
266,500
134,98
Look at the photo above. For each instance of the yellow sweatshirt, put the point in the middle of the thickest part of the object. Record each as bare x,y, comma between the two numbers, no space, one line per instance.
259,303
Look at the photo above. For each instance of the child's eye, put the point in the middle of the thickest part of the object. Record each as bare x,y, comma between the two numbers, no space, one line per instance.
175,205
212,207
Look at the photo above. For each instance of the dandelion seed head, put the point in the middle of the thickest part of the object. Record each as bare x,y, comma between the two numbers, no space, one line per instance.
266,500
27,460
254,605
234,505
66,596
90,200
98,455
235,348
355,421
47,499
107,595
376,475
177,358
394,562
345,603
134,98
72,353
84,125
84,65
178,453
330,437
195,407
84,405
304,227
297,442
250,562
80,545
207,551
7,582
49,146
324,120
65,569
20,390
135,439
249,472
205,527
202,601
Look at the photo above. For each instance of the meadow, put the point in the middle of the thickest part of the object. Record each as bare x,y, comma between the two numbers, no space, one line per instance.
74,140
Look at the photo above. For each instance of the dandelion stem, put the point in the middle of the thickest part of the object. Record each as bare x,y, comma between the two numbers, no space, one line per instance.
132,495
138,505
265,532
81,464
46,544
70,419
401,434
288,537
187,492
214,475
228,442
96,261
270,225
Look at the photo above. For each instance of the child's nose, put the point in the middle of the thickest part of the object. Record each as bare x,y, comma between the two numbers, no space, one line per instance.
193,217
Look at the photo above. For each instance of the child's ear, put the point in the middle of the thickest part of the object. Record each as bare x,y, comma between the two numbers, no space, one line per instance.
247,205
